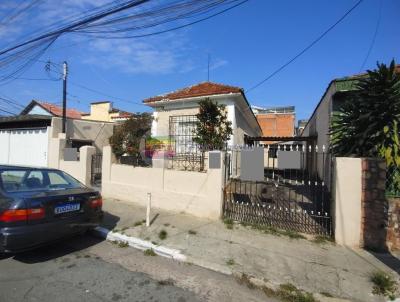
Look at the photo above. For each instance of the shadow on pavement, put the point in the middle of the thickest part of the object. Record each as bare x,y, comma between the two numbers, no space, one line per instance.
63,247
389,260
109,221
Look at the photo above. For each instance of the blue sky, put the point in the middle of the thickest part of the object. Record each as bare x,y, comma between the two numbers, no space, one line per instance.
246,44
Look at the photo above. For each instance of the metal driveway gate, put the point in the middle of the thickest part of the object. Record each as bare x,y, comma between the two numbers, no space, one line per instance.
294,195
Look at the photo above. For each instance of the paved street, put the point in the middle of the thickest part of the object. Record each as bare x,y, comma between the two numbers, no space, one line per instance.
86,269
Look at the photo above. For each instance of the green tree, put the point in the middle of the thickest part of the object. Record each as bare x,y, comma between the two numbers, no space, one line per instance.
213,128
367,124
127,136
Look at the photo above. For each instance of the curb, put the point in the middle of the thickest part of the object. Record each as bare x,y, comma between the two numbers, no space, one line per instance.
177,255
140,244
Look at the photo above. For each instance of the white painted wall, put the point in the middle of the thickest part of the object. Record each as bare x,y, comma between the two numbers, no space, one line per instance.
81,170
347,201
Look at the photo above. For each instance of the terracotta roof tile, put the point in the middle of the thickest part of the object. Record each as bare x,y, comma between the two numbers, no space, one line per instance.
57,110
201,89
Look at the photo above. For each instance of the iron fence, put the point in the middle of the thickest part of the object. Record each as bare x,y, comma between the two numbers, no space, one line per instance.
393,181
96,168
294,194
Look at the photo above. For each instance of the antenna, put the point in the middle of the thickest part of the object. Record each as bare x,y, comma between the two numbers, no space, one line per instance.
208,68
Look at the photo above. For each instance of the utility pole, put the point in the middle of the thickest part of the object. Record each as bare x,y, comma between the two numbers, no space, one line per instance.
64,112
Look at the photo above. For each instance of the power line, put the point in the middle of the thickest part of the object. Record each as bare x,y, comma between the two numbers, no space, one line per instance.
6,111
177,27
306,48
15,12
104,94
378,21
91,24
77,24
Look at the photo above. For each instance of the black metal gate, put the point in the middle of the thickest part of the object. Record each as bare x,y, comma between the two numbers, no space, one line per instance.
294,195
95,178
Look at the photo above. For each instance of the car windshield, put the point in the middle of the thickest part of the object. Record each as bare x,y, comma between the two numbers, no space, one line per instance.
26,180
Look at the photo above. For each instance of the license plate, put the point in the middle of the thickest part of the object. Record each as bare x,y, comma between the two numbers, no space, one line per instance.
67,207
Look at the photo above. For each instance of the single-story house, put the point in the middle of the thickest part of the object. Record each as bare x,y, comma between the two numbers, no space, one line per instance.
318,126
36,107
337,92
175,114
104,111
30,139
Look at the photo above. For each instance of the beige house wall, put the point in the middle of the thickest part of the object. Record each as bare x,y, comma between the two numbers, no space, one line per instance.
98,132
347,201
81,170
162,119
195,193
100,112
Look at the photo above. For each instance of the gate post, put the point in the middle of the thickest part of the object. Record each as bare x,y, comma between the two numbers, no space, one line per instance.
347,201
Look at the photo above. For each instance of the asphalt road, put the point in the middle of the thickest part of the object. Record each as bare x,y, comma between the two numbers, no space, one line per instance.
79,276
88,269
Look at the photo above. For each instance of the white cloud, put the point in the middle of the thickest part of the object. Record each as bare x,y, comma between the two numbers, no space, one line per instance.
160,55
217,63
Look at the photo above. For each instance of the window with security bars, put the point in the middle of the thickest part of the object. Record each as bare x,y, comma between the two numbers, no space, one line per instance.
185,152
181,134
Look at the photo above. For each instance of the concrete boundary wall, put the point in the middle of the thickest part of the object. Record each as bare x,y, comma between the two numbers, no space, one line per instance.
196,193
81,170
347,201
361,217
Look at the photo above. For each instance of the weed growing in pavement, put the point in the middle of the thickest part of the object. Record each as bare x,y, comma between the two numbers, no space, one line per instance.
166,282
228,223
244,279
230,262
383,284
326,294
139,222
121,244
163,234
290,293
322,239
149,252
293,235
286,292
274,231
191,232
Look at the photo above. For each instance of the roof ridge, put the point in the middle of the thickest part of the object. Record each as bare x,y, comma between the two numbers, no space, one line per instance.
203,89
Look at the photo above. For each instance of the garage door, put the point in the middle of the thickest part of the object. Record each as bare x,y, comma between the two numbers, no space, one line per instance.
24,147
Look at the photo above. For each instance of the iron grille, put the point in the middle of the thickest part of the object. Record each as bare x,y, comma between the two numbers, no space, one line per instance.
185,153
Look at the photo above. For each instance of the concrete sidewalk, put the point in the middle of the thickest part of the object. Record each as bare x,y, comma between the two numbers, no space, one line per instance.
322,268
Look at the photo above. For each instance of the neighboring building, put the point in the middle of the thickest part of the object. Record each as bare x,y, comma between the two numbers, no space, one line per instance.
301,124
317,128
175,114
104,111
31,139
338,91
277,121
43,108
